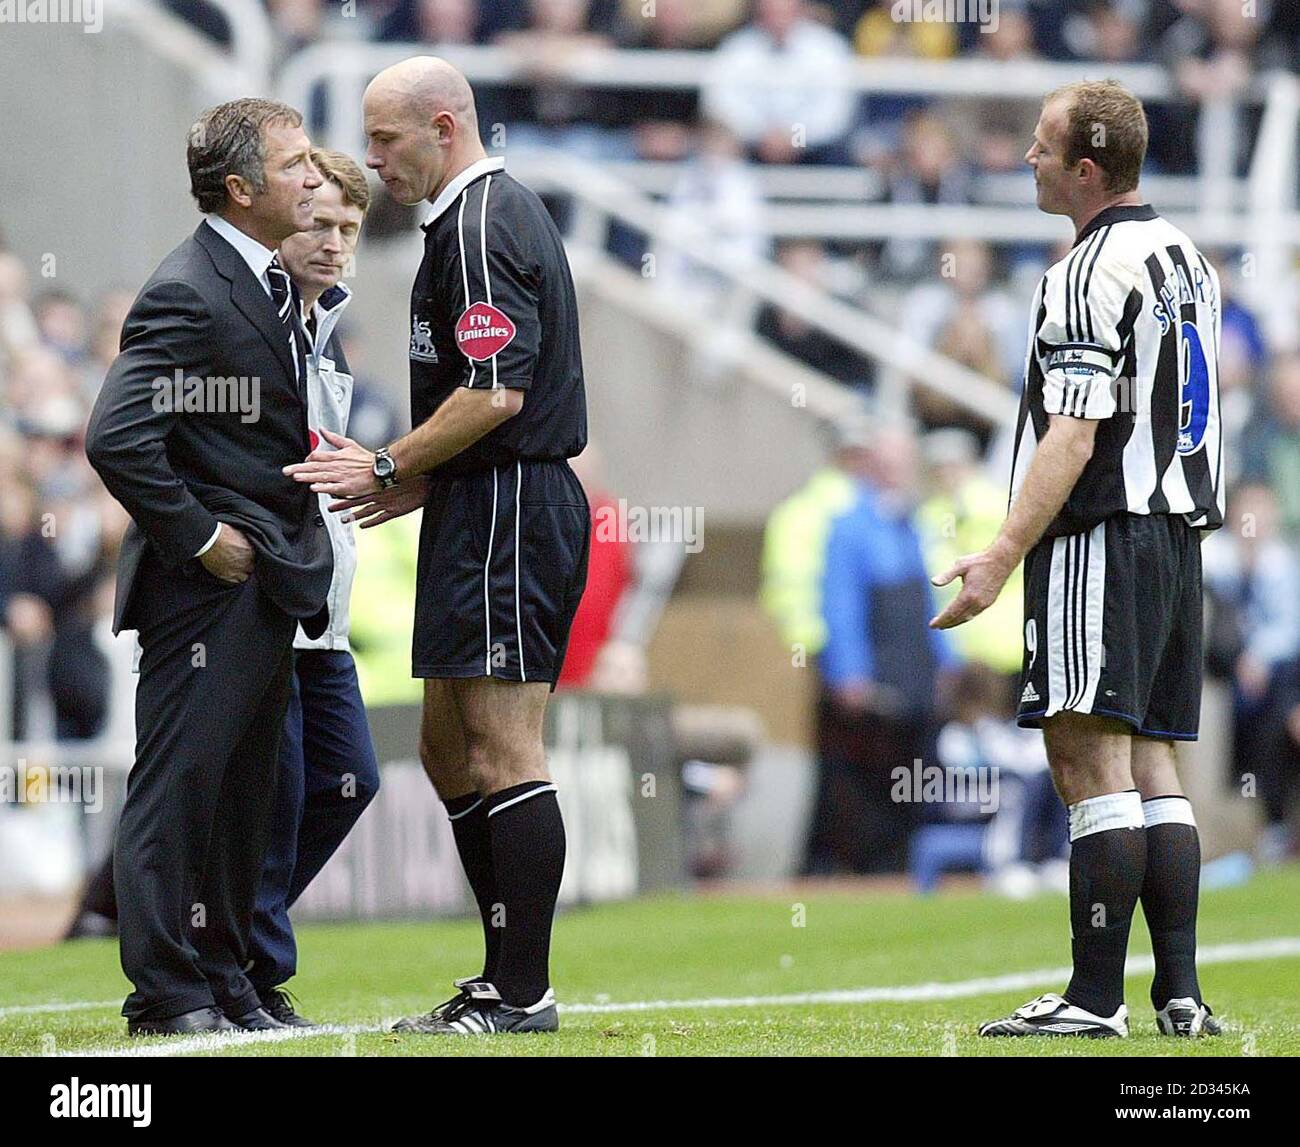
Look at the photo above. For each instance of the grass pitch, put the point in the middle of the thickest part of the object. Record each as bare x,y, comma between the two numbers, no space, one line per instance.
719,975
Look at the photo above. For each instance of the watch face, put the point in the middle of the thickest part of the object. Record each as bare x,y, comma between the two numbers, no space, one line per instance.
384,466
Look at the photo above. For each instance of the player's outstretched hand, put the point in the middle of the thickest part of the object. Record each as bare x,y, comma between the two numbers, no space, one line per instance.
346,471
376,509
982,577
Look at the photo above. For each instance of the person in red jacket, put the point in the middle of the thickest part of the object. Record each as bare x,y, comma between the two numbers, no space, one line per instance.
609,573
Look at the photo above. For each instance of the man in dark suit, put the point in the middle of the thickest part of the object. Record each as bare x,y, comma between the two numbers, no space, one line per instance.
197,416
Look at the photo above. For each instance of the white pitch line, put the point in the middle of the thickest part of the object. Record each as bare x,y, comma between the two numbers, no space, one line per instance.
76,1006
219,1041
951,990
1251,951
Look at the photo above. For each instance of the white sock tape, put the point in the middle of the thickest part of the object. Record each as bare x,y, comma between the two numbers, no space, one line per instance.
1168,810
1103,813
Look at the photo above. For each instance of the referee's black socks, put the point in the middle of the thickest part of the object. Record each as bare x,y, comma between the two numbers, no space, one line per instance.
527,835
1108,854
1170,893
469,824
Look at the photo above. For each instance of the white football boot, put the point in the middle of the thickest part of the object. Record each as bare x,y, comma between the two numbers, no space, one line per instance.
1054,1015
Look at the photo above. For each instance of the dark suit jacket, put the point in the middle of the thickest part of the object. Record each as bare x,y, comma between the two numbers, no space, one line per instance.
179,472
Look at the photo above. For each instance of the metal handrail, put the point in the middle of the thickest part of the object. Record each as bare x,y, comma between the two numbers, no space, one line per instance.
252,44
596,190
1272,206
850,184
1215,219
252,40
345,69
637,68
1010,225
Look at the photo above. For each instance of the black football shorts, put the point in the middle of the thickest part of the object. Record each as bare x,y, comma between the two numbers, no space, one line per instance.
502,567
1113,626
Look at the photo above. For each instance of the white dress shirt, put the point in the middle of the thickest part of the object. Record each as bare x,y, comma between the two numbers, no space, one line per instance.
258,259
250,250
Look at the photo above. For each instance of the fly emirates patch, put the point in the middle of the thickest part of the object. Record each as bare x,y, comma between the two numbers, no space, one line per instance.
484,331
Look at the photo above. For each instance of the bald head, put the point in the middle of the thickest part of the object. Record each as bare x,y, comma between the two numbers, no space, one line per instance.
425,86
421,125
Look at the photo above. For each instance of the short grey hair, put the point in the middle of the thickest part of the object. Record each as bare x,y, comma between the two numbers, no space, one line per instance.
229,139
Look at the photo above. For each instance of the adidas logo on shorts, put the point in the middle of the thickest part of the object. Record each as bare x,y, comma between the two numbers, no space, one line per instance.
1030,693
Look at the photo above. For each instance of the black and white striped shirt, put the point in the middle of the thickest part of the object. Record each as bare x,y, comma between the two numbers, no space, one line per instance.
1125,329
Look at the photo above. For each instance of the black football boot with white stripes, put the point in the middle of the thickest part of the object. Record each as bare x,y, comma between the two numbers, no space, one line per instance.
481,1011
1053,1015
429,1020
1186,1018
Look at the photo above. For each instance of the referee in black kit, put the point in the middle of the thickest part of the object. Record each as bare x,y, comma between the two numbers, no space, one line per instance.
497,406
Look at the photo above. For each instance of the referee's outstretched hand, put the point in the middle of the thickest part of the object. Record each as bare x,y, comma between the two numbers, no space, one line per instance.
344,469
982,577
376,509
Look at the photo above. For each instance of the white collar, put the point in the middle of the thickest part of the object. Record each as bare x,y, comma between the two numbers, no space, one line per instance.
338,297
328,314
449,193
250,250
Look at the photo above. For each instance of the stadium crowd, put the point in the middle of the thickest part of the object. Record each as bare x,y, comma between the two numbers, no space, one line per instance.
1210,46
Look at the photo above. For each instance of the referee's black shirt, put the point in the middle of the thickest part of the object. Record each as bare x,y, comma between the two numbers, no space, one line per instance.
493,306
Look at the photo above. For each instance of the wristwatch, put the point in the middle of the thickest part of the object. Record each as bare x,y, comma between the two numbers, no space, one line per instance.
385,468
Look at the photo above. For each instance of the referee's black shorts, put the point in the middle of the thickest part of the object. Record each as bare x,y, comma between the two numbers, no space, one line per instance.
502,567
1113,626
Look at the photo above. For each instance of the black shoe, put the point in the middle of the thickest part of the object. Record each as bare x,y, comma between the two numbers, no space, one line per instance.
278,1004
257,1021
188,1023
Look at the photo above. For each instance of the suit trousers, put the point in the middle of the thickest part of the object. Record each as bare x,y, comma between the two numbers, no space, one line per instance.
210,707
328,775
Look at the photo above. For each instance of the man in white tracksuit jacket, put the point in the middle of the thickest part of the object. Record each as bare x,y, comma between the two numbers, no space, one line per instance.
328,771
